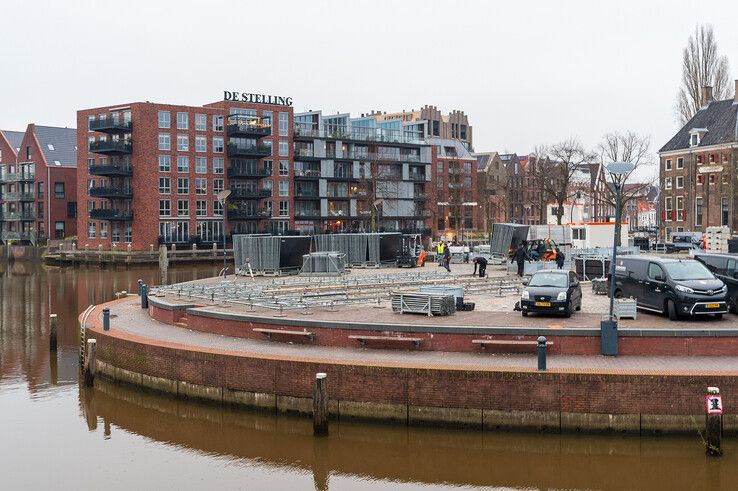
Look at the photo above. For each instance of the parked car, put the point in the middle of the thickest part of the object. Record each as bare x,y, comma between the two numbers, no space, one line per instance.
725,268
678,287
552,291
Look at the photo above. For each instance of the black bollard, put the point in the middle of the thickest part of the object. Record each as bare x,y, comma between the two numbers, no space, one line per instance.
140,282
714,422
106,319
541,352
52,332
144,296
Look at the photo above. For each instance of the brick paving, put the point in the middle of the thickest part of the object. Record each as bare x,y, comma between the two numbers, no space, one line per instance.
129,319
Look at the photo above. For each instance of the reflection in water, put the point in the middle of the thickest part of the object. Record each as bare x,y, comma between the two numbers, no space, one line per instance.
117,437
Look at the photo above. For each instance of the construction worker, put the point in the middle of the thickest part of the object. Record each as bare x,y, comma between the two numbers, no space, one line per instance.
421,258
560,258
439,250
520,257
446,258
482,262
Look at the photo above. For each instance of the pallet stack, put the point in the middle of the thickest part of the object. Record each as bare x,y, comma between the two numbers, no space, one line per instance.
716,240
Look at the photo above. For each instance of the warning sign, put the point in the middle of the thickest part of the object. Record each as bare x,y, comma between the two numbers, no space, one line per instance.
714,404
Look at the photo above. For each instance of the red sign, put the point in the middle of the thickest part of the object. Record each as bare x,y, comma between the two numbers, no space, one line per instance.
714,404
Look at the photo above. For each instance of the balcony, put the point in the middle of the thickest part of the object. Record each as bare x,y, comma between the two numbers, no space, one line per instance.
111,126
307,195
307,214
18,236
416,177
306,154
420,196
247,214
247,172
111,147
110,170
258,150
111,214
307,173
18,177
18,216
362,134
245,193
19,196
243,126
111,193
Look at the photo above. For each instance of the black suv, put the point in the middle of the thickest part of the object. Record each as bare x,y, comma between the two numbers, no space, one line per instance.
678,287
725,268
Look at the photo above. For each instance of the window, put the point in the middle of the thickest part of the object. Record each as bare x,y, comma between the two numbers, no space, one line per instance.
183,163
201,208
217,123
698,212
266,117
40,187
103,230
71,209
218,186
183,208
164,119
712,178
90,206
116,232
58,190
284,188
201,185
217,208
218,165
680,163
579,233
91,230
284,125
667,183
200,143
128,232
284,148
201,122
655,271
269,186
183,185
183,143
165,208
218,144
284,208
165,163
725,211
680,182
182,123
201,165
164,185
165,141
700,179
667,164
284,168
694,140
269,167
680,208
467,167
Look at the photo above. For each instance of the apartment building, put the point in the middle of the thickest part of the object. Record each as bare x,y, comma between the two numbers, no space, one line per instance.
451,126
491,189
455,193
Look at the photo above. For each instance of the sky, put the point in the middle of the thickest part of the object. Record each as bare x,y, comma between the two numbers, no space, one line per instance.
526,73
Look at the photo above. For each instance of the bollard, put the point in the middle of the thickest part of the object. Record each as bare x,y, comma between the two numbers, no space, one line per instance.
713,422
106,319
140,282
52,332
541,352
320,405
145,296
90,362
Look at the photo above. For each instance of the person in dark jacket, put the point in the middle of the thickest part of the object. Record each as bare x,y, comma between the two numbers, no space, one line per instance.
560,258
520,257
447,258
482,262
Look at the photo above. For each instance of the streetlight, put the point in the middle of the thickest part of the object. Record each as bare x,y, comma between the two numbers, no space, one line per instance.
619,172
222,197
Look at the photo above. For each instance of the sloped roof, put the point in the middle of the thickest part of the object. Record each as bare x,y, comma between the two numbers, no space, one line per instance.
718,118
14,138
461,151
58,144
482,161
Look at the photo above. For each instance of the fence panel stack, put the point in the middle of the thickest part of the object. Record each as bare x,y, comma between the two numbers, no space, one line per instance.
716,240
423,303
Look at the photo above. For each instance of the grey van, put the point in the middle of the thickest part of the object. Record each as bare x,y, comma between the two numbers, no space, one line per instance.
678,287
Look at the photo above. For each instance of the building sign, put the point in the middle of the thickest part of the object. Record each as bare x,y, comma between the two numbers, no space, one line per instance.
704,169
714,404
257,98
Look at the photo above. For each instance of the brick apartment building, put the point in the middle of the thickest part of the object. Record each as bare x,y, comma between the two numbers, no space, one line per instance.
38,188
698,170
455,194
491,189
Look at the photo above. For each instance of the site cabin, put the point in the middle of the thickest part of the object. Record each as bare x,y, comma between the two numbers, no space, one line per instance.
588,235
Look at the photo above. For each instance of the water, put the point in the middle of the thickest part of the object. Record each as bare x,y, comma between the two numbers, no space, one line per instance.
56,434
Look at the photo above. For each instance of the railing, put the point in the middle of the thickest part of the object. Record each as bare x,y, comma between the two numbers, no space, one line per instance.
247,171
110,193
18,177
339,132
110,125
18,236
17,215
307,173
110,170
416,177
306,194
248,214
235,149
111,214
111,146
22,196
371,156
246,193
307,213
304,152
249,127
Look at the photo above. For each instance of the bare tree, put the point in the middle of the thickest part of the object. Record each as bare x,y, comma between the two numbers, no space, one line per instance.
701,66
633,148
555,168
378,187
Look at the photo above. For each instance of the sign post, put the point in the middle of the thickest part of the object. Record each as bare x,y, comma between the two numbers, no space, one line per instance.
713,421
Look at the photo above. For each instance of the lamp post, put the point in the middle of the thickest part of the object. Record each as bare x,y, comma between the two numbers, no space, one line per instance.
222,197
619,172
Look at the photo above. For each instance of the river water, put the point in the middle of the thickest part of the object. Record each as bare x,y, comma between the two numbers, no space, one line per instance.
54,434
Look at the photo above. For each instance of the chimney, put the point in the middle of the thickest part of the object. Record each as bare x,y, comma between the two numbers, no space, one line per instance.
706,95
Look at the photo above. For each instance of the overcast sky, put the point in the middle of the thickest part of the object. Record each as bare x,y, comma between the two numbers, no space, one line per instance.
525,74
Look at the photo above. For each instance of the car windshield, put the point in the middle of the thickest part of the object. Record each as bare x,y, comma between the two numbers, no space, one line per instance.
548,279
688,270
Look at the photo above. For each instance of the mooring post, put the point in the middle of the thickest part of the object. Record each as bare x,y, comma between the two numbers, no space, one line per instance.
320,405
713,422
541,352
90,362
106,319
145,296
163,263
140,282
52,332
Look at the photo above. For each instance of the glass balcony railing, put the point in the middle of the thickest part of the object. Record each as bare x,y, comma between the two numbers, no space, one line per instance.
111,147
348,133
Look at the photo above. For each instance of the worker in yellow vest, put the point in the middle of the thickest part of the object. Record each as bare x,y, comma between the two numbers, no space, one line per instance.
439,252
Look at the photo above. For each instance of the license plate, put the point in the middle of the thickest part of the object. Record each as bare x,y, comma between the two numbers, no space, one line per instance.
713,306
547,304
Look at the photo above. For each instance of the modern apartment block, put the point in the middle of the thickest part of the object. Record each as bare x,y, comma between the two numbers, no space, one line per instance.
698,170
38,189
452,126
152,174
360,174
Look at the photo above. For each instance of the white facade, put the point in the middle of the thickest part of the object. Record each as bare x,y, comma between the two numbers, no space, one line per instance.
573,212
590,235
